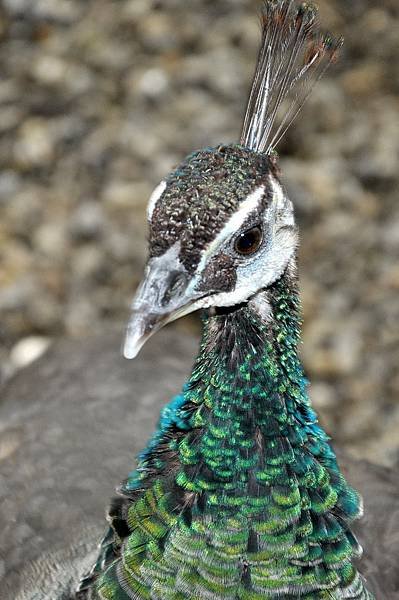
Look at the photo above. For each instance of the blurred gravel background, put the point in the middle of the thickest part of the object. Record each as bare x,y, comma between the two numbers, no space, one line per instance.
99,99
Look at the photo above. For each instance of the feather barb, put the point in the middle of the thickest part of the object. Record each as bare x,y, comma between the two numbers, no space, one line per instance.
294,54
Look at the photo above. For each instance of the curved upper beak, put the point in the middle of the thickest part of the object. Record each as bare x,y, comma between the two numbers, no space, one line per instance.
162,297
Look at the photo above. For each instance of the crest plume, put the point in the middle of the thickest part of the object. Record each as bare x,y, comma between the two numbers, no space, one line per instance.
293,56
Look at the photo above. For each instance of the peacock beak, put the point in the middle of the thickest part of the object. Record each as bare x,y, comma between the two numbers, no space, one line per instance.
163,296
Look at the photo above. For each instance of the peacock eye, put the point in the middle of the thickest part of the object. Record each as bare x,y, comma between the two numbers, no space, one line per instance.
249,241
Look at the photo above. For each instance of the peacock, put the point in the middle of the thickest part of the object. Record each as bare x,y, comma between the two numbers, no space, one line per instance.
238,494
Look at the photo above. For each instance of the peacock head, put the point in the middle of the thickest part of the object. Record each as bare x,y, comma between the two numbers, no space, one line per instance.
221,228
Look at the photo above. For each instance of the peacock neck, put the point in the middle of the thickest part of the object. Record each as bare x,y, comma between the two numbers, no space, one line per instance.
249,393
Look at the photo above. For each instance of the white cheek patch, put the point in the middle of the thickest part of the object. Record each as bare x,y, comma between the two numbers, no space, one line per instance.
260,273
155,196
266,266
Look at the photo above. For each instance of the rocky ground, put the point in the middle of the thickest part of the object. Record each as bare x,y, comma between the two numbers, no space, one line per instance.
99,99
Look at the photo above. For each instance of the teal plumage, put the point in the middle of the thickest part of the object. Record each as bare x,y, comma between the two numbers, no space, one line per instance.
238,495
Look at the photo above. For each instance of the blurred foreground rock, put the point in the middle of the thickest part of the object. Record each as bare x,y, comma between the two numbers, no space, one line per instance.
70,427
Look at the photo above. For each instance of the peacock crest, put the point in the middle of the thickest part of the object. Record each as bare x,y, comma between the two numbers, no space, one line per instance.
294,54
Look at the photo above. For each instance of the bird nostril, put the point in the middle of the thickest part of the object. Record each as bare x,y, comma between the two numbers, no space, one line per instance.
176,284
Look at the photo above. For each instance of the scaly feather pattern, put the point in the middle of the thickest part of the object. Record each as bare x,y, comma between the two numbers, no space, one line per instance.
238,495
293,56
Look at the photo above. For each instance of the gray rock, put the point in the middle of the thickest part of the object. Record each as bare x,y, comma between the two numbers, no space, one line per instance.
87,222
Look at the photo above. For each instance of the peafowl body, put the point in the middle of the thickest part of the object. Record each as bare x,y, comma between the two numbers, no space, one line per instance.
238,495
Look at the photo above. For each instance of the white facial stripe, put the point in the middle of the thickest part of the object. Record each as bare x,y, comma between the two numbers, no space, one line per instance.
247,206
284,208
238,218
278,193
155,196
